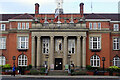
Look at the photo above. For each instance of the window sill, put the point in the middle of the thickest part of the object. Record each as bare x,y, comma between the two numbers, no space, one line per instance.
116,49
22,49
2,49
95,50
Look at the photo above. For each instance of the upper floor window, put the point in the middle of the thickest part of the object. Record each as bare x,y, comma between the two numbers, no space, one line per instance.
22,60
116,27
19,26
95,26
22,25
116,43
2,43
90,26
99,26
58,44
2,60
45,45
116,61
27,25
95,61
22,42
95,43
71,46
2,27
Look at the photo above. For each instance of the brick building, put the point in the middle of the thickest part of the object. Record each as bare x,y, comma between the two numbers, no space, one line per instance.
80,39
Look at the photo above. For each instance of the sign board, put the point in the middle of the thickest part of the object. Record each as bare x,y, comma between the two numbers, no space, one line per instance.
66,67
52,66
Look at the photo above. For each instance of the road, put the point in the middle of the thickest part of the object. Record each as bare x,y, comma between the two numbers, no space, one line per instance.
20,78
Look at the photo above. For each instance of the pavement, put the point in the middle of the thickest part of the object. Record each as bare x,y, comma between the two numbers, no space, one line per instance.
43,76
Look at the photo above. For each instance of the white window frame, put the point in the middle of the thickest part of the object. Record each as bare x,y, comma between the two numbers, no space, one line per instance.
3,29
98,43
23,25
90,26
99,26
71,45
116,61
45,41
27,25
58,41
25,42
19,26
22,60
116,43
95,26
116,27
2,42
2,60
95,60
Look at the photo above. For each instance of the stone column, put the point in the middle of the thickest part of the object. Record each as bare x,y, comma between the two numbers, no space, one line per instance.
65,51
38,51
51,54
33,51
78,52
84,52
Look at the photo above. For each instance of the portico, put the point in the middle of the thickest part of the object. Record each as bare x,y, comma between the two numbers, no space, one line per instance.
78,57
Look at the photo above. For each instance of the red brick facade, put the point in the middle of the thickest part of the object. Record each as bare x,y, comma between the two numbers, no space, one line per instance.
11,33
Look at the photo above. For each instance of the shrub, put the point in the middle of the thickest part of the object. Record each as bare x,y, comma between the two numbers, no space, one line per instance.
7,66
88,67
29,67
80,73
114,68
34,72
42,70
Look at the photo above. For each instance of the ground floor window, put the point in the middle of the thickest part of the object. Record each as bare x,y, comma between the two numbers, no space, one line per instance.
22,60
2,60
116,61
95,61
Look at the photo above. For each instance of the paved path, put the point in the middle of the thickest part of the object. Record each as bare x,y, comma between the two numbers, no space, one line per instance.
39,77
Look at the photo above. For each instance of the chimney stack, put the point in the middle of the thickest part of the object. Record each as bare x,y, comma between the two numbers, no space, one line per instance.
81,9
36,8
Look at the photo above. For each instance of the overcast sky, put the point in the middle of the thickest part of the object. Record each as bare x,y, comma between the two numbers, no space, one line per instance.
49,6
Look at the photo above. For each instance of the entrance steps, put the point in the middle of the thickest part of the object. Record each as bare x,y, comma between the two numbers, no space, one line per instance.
57,72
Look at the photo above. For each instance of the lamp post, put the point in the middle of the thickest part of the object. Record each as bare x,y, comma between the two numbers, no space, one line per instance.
14,58
103,59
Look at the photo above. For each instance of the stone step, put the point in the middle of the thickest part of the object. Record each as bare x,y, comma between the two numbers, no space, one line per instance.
57,72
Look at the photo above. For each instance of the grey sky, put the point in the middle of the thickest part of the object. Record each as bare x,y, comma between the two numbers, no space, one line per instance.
48,6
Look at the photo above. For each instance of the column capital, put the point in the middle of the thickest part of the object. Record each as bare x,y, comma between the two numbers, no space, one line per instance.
51,36
65,36
38,37
79,36
33,37
84,37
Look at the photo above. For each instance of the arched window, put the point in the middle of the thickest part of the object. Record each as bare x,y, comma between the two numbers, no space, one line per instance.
22,60
116,61
2,60
95,61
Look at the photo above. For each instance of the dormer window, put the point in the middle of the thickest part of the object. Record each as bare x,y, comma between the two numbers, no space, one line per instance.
116,27
95,26
2,27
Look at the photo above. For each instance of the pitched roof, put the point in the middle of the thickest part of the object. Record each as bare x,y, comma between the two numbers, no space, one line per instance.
5,17
113,17
23,16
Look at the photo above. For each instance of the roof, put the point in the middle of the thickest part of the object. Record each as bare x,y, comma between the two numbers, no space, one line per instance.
112,16
5,17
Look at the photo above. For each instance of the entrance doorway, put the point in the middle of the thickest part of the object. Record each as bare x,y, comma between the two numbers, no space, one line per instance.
58,63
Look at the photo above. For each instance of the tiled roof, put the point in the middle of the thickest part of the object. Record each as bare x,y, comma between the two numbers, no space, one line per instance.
5,17
23,16
113,17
